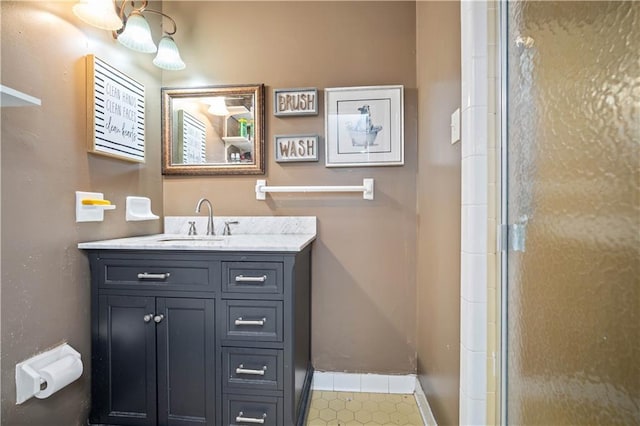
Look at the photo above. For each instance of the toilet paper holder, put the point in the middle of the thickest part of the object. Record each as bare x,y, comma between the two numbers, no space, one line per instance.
29,382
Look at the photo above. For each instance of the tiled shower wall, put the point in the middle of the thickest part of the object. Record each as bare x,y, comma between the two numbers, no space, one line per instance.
480,213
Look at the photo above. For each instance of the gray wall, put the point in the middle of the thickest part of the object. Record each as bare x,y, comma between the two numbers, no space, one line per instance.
364,257
45,278
438,256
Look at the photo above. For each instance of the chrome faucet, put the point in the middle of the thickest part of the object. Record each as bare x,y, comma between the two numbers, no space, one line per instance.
210,230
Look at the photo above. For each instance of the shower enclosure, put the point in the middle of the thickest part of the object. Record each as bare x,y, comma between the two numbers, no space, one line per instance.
571,194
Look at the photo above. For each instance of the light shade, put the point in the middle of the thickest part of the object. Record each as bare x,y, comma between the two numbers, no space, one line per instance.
218,106
137,34
168,57
98,13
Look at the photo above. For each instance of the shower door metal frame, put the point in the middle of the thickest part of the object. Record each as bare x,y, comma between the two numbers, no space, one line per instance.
503,237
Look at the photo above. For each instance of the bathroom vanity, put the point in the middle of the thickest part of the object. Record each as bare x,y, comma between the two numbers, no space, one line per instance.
201,330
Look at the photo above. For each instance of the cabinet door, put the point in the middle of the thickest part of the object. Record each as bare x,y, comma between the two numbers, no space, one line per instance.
186,362
125,369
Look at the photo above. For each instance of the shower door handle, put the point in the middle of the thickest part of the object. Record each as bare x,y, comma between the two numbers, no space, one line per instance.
514,236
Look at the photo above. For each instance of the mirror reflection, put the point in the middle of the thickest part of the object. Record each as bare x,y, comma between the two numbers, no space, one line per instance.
213,130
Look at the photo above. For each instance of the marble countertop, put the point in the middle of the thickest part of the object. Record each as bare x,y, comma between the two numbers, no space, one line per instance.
261,242
269,234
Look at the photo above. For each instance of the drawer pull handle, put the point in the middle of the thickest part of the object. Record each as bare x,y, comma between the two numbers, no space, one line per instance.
240,418
147,317
148,276
240,321
242,370
243,279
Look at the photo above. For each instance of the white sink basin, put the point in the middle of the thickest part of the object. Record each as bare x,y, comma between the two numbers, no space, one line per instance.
191,238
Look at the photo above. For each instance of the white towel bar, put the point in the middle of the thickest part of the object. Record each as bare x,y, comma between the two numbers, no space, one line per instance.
366,188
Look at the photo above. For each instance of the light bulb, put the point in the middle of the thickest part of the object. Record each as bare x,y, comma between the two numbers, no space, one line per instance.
168,57
218,106
98,13
137,34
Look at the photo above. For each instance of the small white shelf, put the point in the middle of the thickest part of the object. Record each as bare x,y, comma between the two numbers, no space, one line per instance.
242,143
14,98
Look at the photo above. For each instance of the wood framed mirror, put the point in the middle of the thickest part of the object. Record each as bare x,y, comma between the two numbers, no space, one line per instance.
215,130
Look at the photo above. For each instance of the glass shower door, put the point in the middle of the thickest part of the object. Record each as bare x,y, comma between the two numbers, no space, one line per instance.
573,209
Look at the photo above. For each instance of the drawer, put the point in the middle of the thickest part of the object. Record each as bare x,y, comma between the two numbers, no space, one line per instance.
253,368
253,320
241,410
179,274
252,277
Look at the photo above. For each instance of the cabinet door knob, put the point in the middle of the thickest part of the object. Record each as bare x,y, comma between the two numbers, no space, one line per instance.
158,318
147,317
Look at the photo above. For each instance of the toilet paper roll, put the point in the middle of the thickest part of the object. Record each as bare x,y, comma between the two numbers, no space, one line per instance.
59,374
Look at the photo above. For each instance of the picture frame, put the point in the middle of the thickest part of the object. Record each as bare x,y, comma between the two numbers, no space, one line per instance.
296,148
295,102
192,139
115,112
364,126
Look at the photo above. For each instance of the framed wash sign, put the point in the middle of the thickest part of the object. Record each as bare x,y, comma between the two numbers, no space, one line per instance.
115,111
296,148
364,126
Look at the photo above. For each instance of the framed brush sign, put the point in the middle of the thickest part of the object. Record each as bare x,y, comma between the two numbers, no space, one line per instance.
364,126
292,102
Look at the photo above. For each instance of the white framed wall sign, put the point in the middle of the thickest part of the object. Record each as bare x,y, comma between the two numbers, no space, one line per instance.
115,112
192,136
292,102
364,126
293,148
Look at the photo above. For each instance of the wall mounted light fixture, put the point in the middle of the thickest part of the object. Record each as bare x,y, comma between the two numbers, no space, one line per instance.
132,30
218,106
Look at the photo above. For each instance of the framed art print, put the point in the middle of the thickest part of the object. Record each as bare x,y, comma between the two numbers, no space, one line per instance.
364,126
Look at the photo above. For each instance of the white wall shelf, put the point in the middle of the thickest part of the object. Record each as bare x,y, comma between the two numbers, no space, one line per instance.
242,143
13,98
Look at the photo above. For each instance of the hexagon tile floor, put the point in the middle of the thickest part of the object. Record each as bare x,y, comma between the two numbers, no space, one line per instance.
362,409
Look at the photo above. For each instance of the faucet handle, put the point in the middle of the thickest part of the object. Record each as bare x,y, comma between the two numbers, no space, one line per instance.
227,228
192,228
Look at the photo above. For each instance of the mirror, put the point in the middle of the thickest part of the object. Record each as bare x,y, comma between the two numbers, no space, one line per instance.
217,130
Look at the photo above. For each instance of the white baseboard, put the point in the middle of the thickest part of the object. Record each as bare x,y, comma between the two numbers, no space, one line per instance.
377,383
423,406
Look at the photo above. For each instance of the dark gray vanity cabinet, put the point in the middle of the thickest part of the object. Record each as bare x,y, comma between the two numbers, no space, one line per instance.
156,360
264,323
200,338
